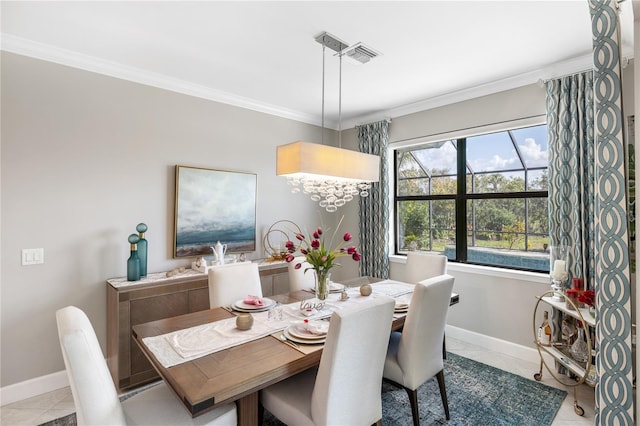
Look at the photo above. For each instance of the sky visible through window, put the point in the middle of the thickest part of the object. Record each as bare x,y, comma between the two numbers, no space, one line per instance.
491,152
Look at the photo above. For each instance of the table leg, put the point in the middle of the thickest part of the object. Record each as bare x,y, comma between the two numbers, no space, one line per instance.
248,410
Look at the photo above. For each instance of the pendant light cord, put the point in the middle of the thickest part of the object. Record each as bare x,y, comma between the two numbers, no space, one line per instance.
324,47
340,103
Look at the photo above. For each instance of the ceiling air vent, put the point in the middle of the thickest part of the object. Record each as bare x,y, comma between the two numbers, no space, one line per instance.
360,53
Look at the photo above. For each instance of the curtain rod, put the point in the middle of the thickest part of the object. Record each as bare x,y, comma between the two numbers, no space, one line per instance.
624,62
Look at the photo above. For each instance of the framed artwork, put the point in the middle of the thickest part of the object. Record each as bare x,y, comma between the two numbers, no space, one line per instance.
211,206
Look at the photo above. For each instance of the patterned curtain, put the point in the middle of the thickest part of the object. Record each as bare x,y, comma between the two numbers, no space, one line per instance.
374,210
571,171
614,390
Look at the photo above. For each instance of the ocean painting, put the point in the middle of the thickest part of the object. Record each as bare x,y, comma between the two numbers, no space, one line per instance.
212,206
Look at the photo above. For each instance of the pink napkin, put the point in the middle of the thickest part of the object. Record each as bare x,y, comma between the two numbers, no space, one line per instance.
253,300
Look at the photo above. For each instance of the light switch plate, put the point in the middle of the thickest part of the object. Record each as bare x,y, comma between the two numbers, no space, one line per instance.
32,256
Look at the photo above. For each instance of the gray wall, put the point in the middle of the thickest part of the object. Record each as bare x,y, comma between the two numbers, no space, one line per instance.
85,158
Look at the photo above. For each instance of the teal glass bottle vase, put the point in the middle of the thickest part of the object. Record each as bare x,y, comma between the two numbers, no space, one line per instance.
133,263
142,248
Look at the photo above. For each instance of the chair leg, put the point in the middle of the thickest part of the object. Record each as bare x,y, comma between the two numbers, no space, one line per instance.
443,393
378,423
413,400
444,347
260,413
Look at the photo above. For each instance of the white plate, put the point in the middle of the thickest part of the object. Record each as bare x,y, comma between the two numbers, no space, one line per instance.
299,332
303,341
245,307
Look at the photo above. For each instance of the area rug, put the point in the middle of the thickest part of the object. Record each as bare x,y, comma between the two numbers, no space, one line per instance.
478,394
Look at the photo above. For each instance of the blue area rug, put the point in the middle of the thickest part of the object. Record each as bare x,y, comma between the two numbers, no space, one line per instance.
478,395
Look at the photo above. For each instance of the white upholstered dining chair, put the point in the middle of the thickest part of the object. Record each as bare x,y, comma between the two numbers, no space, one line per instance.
415,354
232,282
422,265
298,278
345,388
94,393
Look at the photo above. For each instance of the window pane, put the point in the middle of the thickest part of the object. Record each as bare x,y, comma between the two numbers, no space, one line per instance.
428,170
499,233
492,152
427,225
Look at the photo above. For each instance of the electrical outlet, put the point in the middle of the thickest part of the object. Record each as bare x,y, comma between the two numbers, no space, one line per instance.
32,256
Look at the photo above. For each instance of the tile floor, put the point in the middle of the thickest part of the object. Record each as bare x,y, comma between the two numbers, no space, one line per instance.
52,405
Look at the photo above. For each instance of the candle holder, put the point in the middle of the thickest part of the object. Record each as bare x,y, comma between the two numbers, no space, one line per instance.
558,258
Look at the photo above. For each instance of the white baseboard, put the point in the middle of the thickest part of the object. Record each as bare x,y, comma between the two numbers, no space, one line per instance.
33,387
508,348
41,385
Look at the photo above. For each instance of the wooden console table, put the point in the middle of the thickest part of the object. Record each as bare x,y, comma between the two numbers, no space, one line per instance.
157,297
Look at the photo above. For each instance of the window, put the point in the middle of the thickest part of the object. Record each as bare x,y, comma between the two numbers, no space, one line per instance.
480,199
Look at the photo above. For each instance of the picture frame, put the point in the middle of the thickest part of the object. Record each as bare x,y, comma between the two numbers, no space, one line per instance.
214,205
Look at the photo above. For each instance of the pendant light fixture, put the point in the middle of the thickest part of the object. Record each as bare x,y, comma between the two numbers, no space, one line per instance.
331,176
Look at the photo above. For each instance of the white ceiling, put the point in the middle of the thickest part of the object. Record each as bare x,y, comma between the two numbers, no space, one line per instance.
263,56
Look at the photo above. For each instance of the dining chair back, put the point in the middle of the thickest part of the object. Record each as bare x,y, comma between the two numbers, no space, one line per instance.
94,393
345,388
415,355
298,278
422,265
232,282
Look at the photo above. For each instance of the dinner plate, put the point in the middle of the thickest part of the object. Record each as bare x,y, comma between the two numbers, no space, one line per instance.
303,341
300,332
245,307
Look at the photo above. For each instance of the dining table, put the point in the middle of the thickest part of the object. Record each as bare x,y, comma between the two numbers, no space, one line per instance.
207,361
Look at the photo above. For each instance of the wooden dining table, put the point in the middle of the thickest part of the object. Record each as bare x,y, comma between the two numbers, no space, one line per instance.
235,374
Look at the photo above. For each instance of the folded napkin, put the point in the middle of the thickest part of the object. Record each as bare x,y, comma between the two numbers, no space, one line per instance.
318,328
253,300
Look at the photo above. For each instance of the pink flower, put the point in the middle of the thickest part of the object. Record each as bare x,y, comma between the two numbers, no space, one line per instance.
319,251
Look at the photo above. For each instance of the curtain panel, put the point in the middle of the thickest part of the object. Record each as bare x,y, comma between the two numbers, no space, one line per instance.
570,116
374,210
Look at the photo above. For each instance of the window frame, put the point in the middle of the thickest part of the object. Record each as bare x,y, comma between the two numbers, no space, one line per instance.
461,197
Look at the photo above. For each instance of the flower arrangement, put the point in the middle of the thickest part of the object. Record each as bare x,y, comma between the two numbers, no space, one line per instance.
321,256
588,297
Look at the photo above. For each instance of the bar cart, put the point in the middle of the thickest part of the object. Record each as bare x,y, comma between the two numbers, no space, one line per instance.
584,372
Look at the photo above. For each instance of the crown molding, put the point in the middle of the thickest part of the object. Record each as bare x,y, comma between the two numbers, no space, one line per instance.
567,67
25,47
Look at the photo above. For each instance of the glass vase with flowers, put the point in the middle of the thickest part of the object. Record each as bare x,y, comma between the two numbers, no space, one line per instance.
321,255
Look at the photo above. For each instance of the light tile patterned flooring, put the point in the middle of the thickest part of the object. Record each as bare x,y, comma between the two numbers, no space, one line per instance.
59,403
